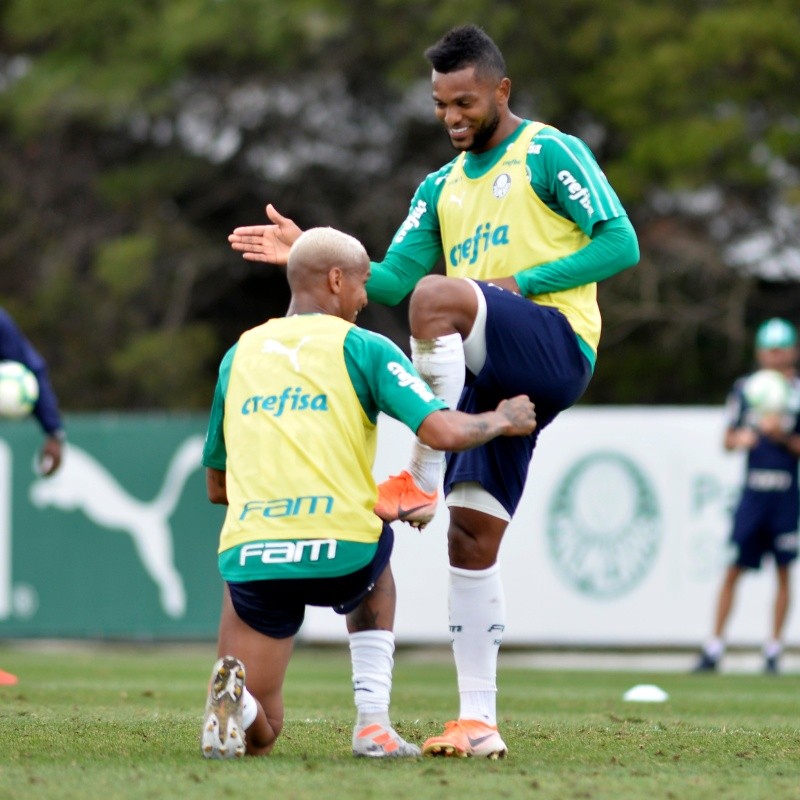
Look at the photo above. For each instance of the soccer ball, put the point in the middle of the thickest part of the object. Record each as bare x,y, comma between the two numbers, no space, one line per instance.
19,390
767,391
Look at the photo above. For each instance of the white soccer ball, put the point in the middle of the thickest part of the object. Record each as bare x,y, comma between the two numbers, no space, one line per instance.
767,391
19,390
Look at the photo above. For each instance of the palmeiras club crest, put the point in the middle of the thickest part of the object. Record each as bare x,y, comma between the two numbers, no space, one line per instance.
604,525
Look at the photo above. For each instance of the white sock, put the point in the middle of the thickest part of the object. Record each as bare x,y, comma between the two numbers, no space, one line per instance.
772,649
249,709
372,656
477,622
714,648
440,362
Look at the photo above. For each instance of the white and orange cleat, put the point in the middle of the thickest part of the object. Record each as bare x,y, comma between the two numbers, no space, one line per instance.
379,740
464,738
222,735
399,498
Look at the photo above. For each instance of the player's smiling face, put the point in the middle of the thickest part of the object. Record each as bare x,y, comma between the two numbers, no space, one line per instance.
470,107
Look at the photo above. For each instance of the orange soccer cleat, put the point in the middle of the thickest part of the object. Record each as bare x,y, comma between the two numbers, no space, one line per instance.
466,738
399,498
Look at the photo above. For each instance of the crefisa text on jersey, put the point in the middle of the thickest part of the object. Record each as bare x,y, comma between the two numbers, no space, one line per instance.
290,399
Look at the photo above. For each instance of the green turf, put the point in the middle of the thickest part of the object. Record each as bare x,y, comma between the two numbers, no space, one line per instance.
123,723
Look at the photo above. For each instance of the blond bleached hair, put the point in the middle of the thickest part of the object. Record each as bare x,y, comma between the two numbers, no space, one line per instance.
316,250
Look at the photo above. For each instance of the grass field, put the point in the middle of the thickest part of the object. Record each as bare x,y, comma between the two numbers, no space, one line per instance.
123,722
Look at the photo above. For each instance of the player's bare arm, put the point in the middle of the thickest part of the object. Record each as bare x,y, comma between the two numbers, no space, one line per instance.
455,430
216,488
267,243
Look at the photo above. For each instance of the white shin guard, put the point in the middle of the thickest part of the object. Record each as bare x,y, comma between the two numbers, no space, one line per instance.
440,362
477,622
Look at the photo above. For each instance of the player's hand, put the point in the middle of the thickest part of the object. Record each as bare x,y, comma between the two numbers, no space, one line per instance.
520,413
773,426
267,243
745,439
50,456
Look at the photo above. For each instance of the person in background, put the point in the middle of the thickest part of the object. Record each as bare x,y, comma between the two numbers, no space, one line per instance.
765,521
290,448
14,346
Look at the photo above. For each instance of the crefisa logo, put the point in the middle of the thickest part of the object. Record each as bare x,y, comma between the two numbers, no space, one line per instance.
604,525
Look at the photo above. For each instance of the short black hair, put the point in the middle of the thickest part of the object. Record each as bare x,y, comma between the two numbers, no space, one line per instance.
467,46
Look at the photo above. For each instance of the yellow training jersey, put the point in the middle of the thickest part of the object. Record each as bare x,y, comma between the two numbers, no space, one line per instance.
494,226
300,447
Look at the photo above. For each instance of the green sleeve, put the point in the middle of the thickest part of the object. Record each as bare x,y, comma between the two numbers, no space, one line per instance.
566,177
214,452
385,380
393,278
613,248
416,247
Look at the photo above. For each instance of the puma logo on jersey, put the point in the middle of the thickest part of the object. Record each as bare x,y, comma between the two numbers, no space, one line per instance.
292,353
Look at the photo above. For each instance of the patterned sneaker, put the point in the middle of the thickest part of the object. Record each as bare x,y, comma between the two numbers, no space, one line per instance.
706,664
771,665
399,497
381,741
467,737
222,735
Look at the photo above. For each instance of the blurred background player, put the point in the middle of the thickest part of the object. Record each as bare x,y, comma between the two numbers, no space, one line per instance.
294,417
14,346
765,521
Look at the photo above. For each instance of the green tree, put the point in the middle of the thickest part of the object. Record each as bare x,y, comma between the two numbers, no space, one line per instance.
134,136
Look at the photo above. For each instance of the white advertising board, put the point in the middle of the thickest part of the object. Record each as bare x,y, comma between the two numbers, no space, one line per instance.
620,538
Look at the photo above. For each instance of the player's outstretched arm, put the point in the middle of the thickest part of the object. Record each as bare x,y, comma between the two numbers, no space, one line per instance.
455,430
267,243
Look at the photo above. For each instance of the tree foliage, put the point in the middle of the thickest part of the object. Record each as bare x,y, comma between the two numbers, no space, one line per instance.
134,136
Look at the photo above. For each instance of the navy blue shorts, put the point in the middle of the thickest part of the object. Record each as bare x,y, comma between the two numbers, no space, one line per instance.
277,608
530,349
765,522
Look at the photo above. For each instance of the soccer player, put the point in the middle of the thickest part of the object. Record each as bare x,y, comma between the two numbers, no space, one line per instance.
526,223
765,520
14,346
290,447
